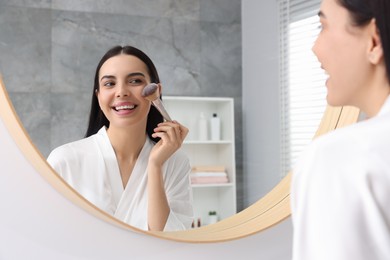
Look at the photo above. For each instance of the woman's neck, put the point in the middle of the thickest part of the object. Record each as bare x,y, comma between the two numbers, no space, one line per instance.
375,98
127,142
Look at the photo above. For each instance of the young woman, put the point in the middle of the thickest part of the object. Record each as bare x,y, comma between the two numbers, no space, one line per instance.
129,164
341,184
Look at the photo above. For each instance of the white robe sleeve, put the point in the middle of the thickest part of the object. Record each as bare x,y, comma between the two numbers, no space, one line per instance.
179,193
341,201
82,165
61,161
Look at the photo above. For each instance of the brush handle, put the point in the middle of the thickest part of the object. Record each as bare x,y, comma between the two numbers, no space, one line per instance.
160,107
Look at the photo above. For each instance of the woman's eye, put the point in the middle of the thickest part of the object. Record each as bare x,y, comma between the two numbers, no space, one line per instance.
135,81
321,27
109,84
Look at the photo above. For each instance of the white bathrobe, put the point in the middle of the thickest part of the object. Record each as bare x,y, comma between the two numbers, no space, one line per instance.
340,195
90,167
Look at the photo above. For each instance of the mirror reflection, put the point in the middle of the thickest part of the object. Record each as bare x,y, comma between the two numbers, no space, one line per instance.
207,49
129,164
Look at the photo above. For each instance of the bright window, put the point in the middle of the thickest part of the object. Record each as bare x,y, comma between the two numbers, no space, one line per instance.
302,80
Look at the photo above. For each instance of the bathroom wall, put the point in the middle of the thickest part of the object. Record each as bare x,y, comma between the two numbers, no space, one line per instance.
49,50
260,96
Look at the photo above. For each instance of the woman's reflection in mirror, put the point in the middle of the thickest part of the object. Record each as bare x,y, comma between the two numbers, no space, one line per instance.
340,195
130,163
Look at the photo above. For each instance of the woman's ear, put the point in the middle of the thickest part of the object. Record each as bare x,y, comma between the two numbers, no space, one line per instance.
375,53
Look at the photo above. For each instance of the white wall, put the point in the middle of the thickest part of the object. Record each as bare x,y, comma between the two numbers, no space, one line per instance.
260,38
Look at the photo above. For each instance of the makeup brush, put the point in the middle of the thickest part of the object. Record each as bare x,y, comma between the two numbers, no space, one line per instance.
151,93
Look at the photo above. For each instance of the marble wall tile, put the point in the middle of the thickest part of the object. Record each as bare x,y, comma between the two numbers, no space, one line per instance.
34,112
179,61
225,11
188,9
180,46
69,117
75,52
27,3
178,81
25,48
174,42
221,59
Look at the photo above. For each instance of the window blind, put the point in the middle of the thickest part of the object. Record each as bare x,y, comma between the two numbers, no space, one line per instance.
302,81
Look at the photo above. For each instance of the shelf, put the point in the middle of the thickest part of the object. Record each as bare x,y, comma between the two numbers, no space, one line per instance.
207,142
212,185
219,197
196,99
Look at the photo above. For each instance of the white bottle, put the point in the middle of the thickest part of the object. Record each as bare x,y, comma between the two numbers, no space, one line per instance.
203,128
215,127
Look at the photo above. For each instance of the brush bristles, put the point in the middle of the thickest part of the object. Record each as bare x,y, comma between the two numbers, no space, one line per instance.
149,90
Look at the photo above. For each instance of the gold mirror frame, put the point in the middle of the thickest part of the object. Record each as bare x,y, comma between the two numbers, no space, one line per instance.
270,210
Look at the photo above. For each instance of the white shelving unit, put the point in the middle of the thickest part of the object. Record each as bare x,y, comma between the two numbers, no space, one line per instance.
208,197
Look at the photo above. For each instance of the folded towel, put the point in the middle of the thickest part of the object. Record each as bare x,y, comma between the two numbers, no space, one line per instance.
208,174
209,168
209,180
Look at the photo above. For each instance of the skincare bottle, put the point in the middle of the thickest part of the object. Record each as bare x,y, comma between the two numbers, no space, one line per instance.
215,127
203,129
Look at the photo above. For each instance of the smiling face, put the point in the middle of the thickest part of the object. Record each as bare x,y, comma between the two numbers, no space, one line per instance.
121,81
342,50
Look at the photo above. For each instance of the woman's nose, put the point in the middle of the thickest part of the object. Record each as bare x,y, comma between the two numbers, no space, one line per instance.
123,91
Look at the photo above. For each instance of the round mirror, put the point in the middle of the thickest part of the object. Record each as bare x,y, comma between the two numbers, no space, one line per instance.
268,211
197,49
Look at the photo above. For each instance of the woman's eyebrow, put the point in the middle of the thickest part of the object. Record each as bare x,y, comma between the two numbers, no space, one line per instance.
107,77
135,74
128,75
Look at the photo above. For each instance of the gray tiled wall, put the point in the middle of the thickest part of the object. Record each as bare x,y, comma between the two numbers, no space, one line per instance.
49,50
